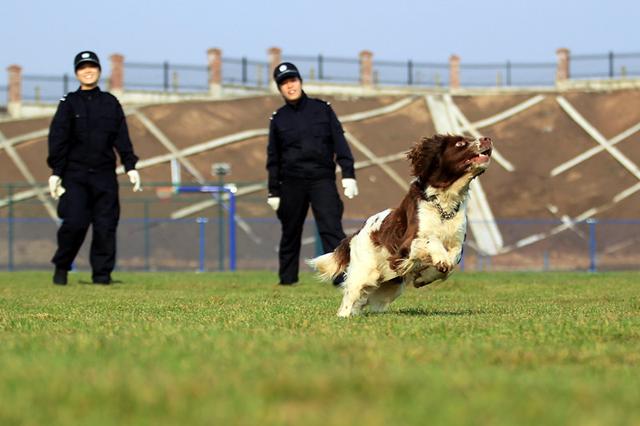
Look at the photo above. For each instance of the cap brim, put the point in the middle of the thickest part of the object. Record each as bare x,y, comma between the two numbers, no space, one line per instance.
88,60
287,74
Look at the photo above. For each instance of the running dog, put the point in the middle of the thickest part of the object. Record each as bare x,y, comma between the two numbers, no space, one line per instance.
418,242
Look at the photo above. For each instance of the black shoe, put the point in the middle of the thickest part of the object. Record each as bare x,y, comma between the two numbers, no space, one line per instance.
105,281
60,276
287,283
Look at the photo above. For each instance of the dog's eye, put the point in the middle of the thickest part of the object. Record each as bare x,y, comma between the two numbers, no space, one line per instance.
461,144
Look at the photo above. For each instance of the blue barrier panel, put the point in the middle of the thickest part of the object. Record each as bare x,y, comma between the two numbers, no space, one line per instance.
216,191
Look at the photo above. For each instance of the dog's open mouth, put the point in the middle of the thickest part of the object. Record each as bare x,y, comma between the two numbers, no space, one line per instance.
482,157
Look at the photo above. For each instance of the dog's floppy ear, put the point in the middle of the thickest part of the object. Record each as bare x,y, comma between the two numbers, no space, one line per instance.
424,156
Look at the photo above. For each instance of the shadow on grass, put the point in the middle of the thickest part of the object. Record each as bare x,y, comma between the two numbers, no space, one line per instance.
112,282
434,313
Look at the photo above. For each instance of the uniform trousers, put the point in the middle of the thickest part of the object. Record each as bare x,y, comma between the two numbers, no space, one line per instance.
91,198
295,198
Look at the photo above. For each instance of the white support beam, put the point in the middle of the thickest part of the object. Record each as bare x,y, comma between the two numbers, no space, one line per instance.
358,116
376,161
481,220
568,223
38,192
508,113
171,147
201,147
593,151
597,136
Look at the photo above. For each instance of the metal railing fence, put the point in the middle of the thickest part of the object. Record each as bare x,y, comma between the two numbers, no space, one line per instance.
150,241
48,88
245,72
410,73
605,66
4,94
166,77
507,74
326,68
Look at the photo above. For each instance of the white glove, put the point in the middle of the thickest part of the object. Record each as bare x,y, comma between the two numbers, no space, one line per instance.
134,178
274,202
350,188
55,187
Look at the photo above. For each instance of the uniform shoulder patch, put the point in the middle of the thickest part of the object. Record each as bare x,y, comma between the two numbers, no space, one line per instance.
68,95
323,101
273,114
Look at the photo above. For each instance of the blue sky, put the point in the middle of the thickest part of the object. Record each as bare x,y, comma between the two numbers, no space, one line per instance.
44,35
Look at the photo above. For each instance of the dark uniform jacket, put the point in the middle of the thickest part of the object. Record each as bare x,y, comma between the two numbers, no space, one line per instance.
86,128
305,142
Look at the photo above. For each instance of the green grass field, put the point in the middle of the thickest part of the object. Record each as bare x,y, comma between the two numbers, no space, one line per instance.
183,348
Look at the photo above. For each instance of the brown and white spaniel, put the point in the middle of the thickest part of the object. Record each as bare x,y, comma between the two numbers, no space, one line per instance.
421,240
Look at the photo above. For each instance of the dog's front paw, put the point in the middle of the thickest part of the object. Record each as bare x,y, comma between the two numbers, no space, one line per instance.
346,310
345,313
443,267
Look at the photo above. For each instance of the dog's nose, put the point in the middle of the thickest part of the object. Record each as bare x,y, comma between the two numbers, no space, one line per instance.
485,142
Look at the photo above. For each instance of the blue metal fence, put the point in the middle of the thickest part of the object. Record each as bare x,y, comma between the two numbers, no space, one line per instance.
152,244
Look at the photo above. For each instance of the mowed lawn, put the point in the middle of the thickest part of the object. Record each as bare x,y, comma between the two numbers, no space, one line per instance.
233,348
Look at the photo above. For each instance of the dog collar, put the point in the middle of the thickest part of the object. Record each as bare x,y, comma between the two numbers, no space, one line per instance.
444,215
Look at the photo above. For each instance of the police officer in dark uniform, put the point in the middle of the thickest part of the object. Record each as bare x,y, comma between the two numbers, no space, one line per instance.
86,128
305,142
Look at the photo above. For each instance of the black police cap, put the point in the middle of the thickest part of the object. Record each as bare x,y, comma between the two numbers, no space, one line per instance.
84,57
285,70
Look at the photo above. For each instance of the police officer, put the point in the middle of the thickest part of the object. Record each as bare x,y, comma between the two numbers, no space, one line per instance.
86,128
305,142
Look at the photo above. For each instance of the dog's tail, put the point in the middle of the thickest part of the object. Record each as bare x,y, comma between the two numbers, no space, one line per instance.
330,265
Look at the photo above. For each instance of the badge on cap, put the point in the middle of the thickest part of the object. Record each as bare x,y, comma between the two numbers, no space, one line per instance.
282,67
85,55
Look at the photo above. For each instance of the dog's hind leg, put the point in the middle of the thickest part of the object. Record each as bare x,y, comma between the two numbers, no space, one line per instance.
385,294
359,284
